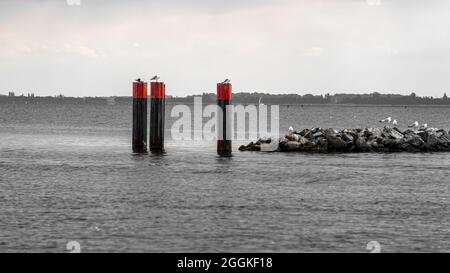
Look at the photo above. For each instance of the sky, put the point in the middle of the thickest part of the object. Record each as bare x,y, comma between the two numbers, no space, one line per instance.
98,47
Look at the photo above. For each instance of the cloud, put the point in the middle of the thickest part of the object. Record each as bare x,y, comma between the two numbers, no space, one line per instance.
314,51
325,45
81,50
374,2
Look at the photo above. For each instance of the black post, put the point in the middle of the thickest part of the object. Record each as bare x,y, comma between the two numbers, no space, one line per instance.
157,116
139,117
224,95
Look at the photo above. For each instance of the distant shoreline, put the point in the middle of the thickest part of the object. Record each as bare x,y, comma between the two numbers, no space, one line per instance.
346,100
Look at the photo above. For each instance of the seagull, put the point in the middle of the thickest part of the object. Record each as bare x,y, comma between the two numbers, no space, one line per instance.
388,120
227,80
395,122
291,130
155,78
424,126
138,80
415,125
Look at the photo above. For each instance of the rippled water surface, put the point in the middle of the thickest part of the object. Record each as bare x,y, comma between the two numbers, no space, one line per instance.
67,173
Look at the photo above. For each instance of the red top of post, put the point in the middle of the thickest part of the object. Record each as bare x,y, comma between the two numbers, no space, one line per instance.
139,90
224,91
158,90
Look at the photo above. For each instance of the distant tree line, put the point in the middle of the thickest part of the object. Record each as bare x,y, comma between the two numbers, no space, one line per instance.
247,98
296,99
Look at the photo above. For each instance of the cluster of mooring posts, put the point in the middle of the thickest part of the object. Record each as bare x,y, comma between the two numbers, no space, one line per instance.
157,116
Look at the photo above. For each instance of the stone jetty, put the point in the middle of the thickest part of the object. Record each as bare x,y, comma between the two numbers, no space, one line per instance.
379,140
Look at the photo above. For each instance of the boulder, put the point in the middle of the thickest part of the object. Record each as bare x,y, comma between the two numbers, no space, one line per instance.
423,135
408,132
309,146
389,143
392,133
303,140
293,146
432,141
445,138
348,138
415,141
304,132
309,135
265,140
334,140
321,141
270,147
362,145
318,134
293,137
373,132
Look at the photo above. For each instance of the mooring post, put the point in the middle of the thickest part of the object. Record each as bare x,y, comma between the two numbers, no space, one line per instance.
224,96
139,117
157,116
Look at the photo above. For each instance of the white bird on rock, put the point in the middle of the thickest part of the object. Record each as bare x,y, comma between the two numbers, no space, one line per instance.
388,120
394,122
291,130
414,125
424,126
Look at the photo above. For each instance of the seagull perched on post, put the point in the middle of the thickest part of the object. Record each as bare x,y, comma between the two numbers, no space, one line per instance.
227,80
155,78
388,120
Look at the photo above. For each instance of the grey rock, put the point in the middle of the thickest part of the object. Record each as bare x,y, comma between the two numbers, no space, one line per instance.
348,138
415,141
293,146
293,137
309,135
393,133
304,132
432,141
336,142
303,140
318,134
423,135
362,145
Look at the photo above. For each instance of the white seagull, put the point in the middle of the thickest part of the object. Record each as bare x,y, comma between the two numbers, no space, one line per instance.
414,125
388,120
424,126
394,122
227,80
155,78
291,130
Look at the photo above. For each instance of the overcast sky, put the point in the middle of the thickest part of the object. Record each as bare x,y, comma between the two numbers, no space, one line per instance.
277,46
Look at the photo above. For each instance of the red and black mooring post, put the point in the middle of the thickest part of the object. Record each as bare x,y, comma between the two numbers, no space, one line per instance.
157,116
224,96
139,117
